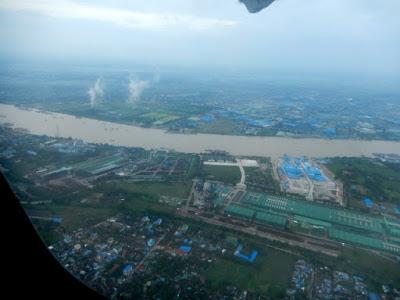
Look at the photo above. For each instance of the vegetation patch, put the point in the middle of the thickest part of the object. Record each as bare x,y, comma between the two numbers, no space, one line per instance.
365,177
226,174
268,274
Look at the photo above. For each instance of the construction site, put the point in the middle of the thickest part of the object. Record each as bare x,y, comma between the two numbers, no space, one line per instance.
304,177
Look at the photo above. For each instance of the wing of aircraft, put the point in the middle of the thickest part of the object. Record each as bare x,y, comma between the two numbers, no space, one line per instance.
254,6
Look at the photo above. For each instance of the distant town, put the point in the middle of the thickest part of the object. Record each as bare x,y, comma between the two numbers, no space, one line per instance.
157,223
186,102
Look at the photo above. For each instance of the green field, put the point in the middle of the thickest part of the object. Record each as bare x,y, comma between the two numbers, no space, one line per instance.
139,197
375,268
226,174
75,216
220,126
47,231
158,116
194,167
367,177
144,196
259,180
142,203
82,215
269,273
153,189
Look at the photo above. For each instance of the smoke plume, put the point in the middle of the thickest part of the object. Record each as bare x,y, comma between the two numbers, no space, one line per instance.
136,88
96,92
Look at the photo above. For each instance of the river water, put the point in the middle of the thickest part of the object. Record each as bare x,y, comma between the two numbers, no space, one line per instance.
95,131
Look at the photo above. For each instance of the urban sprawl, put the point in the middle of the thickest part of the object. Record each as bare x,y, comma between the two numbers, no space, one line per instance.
161,224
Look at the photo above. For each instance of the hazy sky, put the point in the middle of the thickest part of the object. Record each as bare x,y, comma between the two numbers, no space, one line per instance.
360,36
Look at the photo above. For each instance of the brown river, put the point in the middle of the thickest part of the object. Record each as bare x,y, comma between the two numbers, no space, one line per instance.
95,131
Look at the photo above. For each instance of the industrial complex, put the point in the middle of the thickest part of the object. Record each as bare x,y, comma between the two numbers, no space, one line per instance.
112,215
302,176
303,217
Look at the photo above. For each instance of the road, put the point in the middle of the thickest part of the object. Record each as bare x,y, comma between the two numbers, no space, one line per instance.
310,195
148,253
262,234
243,177
191,194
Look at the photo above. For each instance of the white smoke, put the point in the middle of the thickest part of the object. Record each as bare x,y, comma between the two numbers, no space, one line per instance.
96,92
136,88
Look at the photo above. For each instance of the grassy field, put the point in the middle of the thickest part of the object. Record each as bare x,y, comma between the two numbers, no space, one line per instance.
195,167
47,231
144,196
367,177
219,126
261,180
75,216
142,204
153,189
377,269
268,274
138,198
227,174
158,116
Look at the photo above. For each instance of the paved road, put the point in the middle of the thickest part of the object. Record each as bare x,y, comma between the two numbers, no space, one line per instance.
148,253
243,178
266,235
191,194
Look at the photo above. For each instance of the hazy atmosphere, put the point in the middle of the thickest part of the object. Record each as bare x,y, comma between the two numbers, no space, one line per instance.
304,36
204,149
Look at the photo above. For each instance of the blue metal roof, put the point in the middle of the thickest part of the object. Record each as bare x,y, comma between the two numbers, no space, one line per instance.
373,296
330,131
128,268
315,173
56,219
185,248
158,221
208,118
249,258
292,171
368,202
